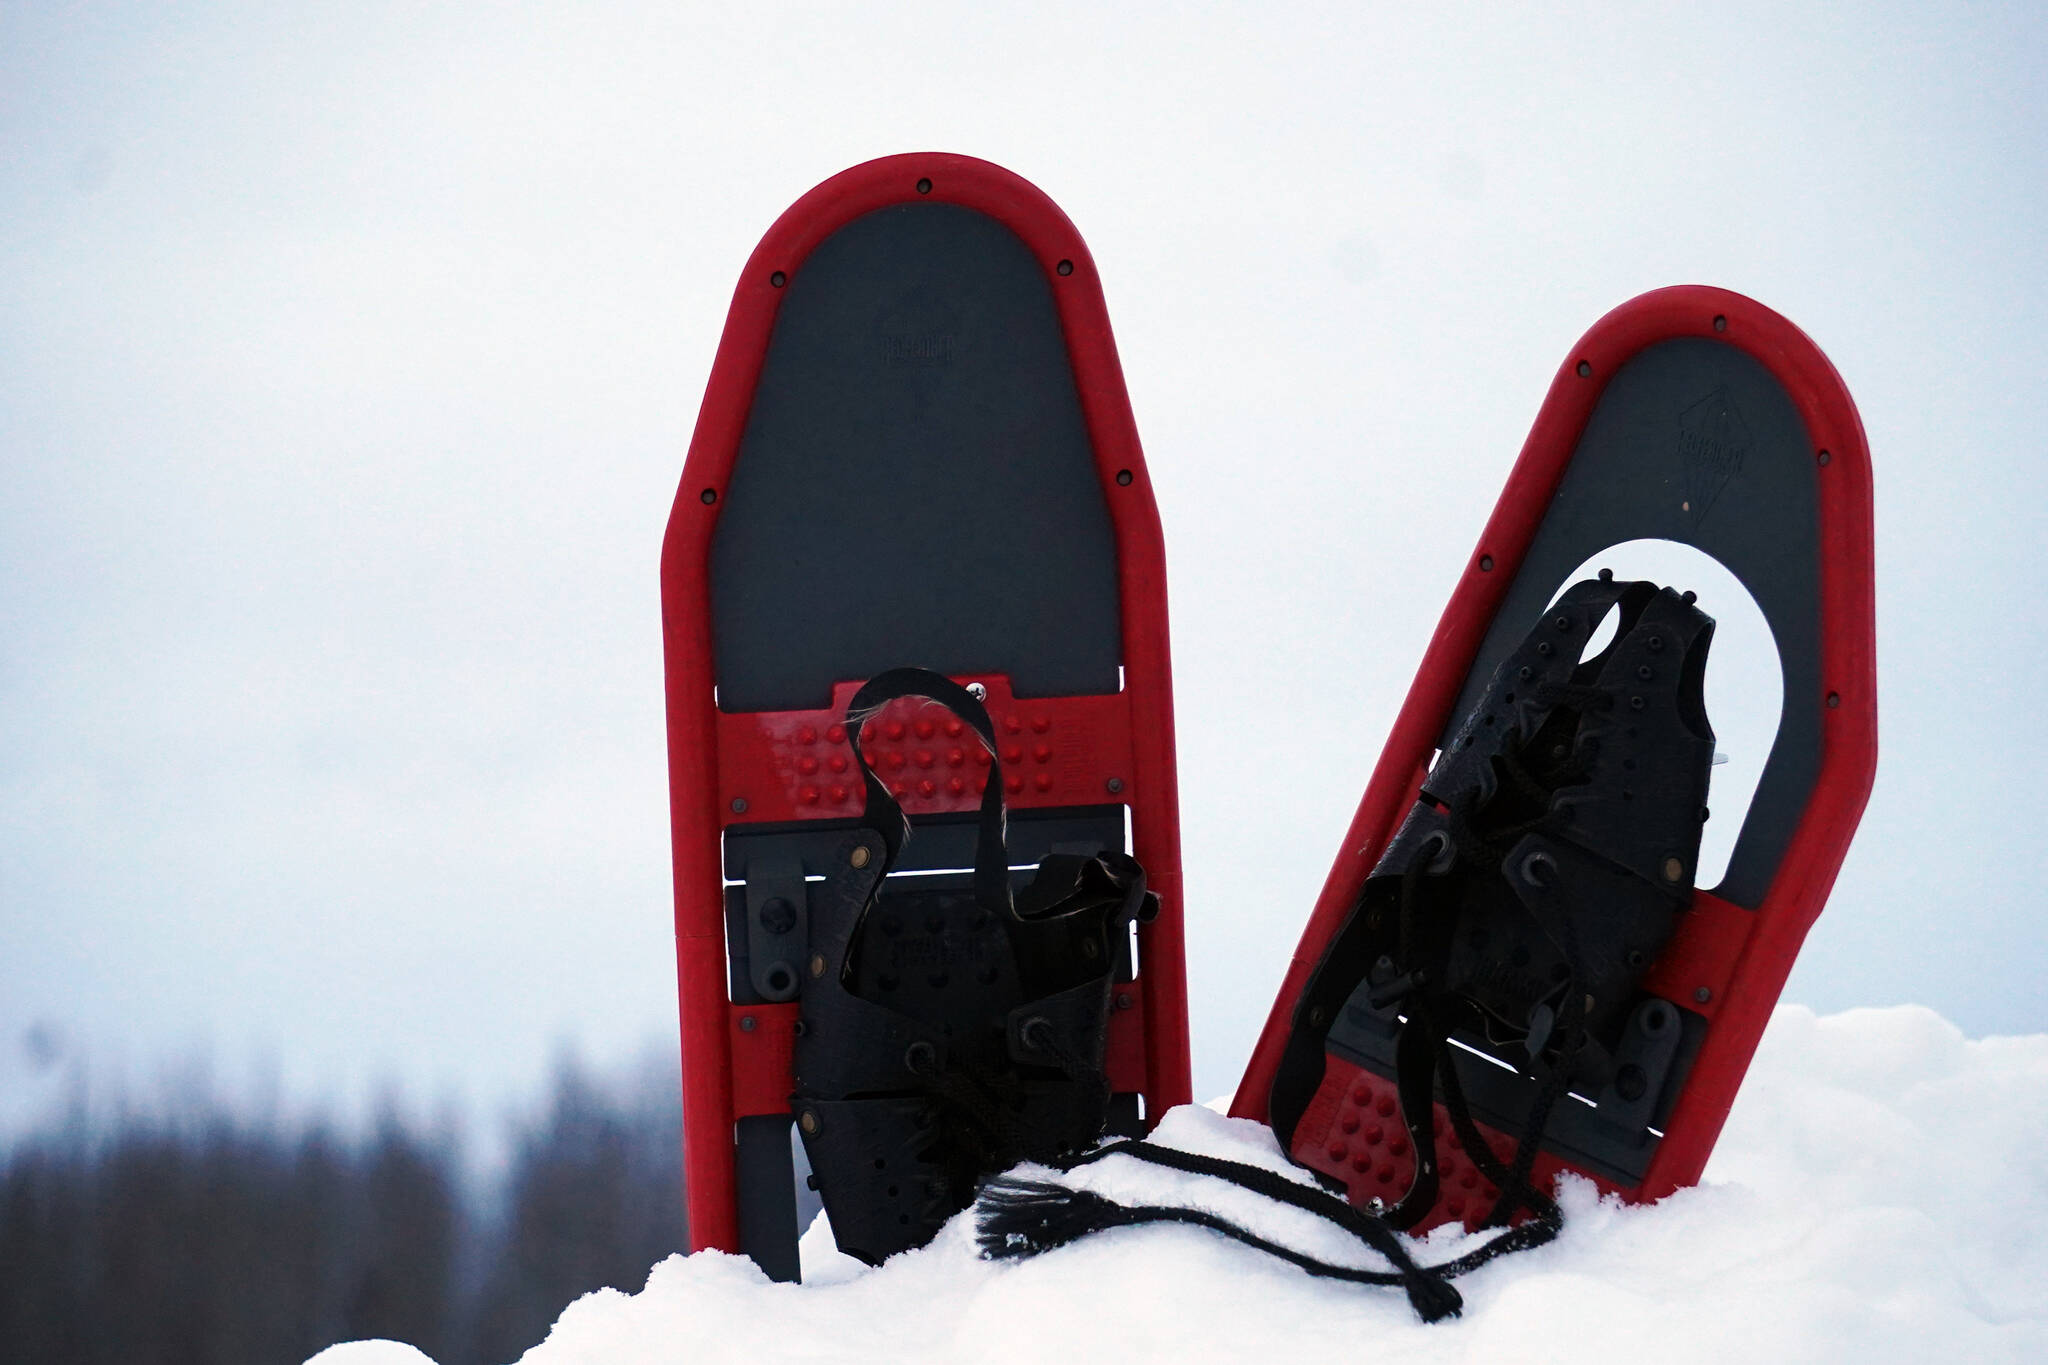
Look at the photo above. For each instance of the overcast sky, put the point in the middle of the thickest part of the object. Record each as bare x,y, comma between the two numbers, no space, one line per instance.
348,358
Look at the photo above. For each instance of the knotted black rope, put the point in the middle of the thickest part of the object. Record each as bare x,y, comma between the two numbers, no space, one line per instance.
1017,1218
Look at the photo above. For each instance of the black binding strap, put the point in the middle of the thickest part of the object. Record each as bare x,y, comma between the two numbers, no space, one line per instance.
885,816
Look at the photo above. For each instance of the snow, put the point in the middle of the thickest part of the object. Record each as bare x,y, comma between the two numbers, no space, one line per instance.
1877,1195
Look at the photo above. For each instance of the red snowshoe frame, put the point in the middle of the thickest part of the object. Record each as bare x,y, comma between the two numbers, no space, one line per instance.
1728,962
761,769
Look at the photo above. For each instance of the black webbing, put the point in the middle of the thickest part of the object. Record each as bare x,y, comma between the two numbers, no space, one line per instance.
885,816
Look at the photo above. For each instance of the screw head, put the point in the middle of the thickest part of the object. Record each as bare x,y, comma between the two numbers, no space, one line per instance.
977,691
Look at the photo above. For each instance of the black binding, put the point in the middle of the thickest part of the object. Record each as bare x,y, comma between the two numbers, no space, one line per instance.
948,1032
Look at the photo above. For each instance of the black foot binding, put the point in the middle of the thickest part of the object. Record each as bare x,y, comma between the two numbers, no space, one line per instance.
1543,869
950,1032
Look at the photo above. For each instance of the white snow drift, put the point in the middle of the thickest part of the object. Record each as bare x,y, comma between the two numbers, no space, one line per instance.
1879,1195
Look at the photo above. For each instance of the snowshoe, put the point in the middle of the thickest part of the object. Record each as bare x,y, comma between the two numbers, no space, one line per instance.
1510,972
915,446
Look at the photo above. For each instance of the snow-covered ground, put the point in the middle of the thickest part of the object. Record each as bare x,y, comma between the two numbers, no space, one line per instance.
1879,1194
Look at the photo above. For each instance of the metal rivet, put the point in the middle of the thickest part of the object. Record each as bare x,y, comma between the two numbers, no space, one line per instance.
1123,478
1318,1016
808,1121
860,855
1720,323
1065,267
1123,1000
1607,575
924,187
1834,699
778,279
1674,870
739,805
1703,995
1563,623
1115,784
708,496
817,964
1585,370
746,1023
1486,563
1826,458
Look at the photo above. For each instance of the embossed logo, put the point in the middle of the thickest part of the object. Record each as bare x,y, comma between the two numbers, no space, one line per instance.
921,350
1713,441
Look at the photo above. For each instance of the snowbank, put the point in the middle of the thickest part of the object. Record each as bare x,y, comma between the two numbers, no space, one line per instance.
1879,1195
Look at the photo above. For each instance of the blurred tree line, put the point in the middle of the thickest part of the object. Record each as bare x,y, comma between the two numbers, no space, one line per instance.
210,1240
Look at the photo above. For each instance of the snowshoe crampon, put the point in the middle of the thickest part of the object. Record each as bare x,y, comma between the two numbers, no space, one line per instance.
915,447
1510,972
